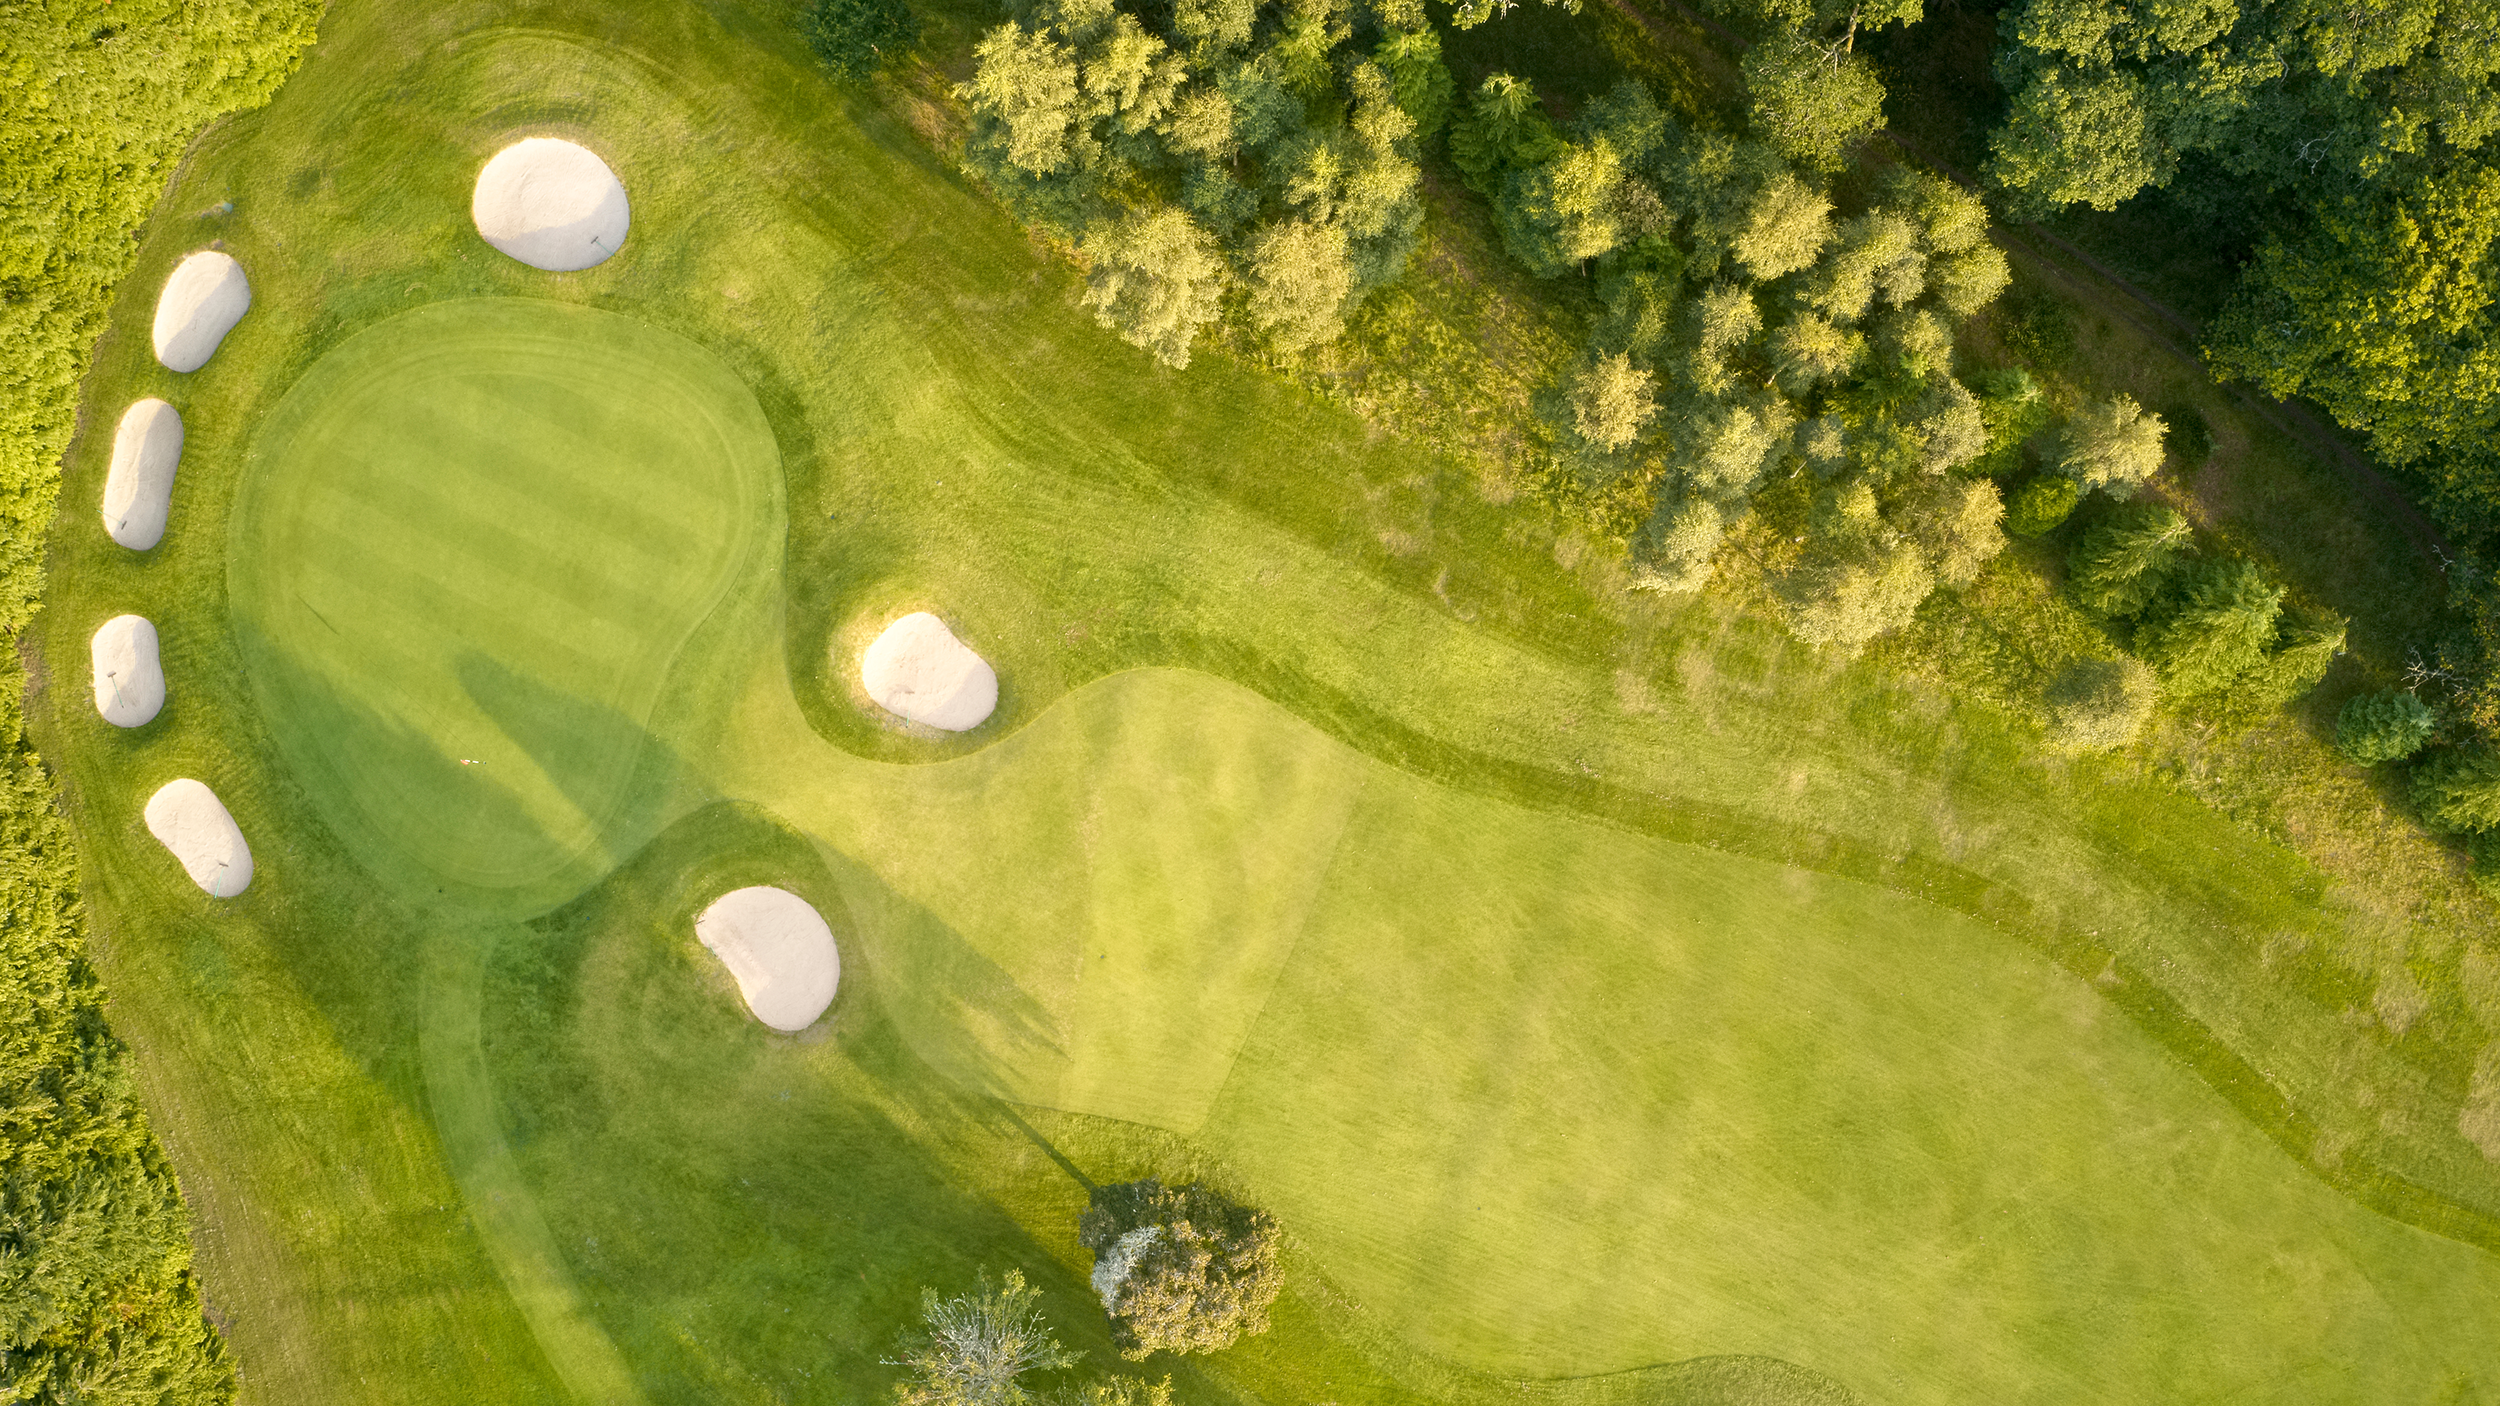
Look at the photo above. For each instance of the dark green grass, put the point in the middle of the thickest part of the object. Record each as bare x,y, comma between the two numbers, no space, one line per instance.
339,1078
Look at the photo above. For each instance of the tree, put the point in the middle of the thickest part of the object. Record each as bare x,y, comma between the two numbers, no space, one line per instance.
1179,1268
1418,78
1300,282
2099,704
1612,400
2122,565
2383,727
1955,521
974,1349
1808,350
1786,229
2305,647
1157,278
2222,626
854,37
1815,104
2041,506
2113,445
2458,790
1850,596
1503,131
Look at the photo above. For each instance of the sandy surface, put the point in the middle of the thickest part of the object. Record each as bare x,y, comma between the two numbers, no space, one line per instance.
187,818
918,670
780,951
203,300
129,680
146,446
550,204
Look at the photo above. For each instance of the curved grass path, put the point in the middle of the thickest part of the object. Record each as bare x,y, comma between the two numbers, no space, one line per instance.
1539,1095
1548,1098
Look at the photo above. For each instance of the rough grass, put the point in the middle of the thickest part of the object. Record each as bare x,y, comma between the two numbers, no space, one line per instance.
405,1125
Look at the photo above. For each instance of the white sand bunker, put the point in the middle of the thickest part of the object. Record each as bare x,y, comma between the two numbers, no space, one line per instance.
202,302
187,818
780,951
129,679
918,670
146,446
550,204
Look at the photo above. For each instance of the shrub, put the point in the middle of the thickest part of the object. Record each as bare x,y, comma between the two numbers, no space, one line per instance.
2482,853
2222,626
1180,1268
2041,506
1852,596
2382,727
2039,329
2013,409
2097,704
974,1349
854,37
2303,651
2121,566
2458,791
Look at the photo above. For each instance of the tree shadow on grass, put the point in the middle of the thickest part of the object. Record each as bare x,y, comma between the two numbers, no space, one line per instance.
750,1215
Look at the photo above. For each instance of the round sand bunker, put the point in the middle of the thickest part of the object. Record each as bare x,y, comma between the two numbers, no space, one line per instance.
918,670
140,486
187,818
550,204
202,302
778,949
129,679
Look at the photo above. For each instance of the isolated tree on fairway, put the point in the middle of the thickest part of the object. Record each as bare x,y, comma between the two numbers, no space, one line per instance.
1180,1268
2120,566
2097,704
855,37
2383,727
2221,626
2113,445
2458,791
974,1349
1157,278
1612,400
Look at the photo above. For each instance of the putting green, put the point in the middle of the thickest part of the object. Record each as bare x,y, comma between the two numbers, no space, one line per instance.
1549,1099
476,536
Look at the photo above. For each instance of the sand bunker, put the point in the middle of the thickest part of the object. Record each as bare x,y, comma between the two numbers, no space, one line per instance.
146,446
207,295
187,818
129,680
780,951
550,204
918,670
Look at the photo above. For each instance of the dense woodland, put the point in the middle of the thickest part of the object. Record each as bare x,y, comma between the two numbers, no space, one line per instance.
97,1303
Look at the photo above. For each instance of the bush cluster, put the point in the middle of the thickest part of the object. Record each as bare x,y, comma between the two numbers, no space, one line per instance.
1193,1271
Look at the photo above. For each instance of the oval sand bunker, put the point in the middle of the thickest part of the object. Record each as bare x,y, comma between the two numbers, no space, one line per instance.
780,951
203,300
918,670
129,679
187,818
147,444
550,204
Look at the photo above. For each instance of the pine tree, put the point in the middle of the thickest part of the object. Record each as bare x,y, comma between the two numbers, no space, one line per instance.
2121,566
2222,625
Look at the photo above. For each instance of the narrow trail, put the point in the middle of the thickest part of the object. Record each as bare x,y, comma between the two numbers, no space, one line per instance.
2138,309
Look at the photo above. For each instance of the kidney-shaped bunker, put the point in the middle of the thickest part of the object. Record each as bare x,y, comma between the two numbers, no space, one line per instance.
202,301
187,818
129,680
550,204
778,949
147,444
918,670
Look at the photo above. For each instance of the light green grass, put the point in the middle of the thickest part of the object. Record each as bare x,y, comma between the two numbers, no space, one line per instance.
398,1111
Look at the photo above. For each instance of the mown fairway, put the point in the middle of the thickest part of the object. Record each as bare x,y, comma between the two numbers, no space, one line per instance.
1394,925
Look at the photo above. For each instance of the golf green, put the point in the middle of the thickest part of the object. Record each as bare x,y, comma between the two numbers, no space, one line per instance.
474,540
